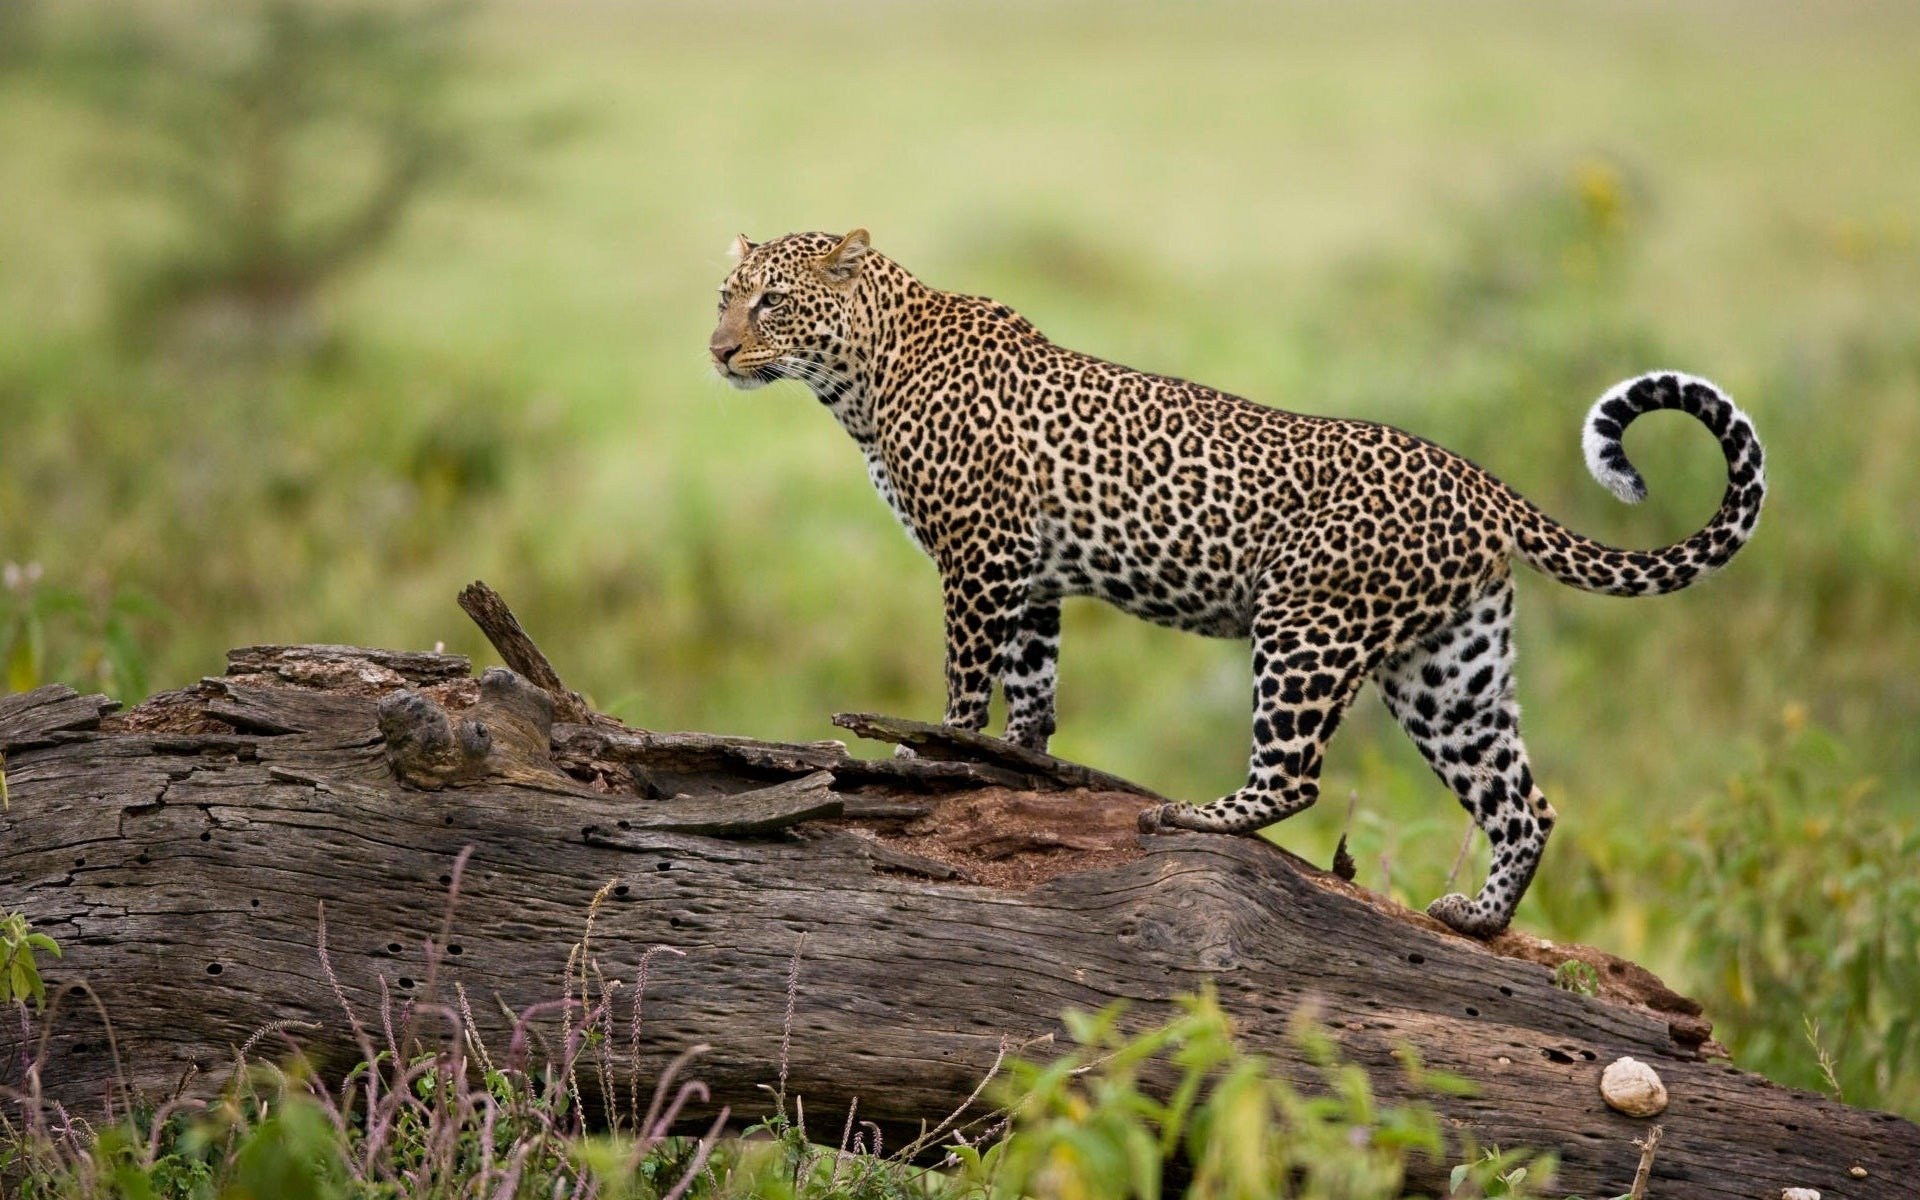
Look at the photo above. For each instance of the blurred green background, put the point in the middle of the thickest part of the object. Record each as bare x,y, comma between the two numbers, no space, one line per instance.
313,310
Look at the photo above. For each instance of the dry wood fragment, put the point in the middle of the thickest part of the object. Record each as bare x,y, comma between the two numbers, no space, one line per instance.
1644,1172
518,651
941,741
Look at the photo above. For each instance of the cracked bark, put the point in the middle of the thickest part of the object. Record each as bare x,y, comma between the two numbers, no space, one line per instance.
179,853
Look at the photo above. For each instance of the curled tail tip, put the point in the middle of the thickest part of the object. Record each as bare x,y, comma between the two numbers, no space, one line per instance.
1629,486
1606,459
1617,407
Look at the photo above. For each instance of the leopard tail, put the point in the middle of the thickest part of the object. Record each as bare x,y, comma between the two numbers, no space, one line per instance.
1550,547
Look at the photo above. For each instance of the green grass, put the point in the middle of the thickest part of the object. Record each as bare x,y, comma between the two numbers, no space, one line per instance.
1465,220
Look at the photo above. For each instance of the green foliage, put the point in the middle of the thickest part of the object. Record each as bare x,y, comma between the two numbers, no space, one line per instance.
1088,1125
50,634
19,971
1804,922
292,1154
1576,976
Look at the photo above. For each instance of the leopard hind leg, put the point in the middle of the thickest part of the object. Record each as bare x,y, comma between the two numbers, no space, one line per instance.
1453,694
1309,660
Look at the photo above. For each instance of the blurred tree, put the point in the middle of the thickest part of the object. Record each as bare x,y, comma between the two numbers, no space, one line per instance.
285,141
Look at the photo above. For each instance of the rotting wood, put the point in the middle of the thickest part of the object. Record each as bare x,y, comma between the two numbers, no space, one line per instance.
179,851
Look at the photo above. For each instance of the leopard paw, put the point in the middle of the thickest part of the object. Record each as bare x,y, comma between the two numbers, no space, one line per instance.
1158,819
1456,913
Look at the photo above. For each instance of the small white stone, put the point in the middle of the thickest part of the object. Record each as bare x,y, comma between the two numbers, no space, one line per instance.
1630,1086
1799,1194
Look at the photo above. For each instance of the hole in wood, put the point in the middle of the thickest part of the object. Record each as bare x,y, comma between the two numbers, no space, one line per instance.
206,837
393,947
214,968
665,866
621,890
624,823
446,881
454,949
255,902
1505,990
405,982
1588,1055
1472,1011
1558,1056
1416,959
80,862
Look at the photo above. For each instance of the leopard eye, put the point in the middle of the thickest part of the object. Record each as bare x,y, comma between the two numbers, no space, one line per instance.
724,298
772,299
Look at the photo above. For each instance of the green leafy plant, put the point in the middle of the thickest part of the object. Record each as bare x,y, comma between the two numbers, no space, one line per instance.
1496,1173
1576,976
1088,1124
1803,921
19,971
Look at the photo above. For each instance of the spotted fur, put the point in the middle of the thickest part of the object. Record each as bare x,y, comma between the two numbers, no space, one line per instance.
1345,550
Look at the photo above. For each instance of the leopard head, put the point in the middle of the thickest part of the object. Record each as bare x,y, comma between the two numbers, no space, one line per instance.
787,309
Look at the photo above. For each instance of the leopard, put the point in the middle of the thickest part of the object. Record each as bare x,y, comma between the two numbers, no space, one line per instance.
1342,550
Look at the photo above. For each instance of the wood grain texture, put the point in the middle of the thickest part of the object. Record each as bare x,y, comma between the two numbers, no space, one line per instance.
30,718
183,872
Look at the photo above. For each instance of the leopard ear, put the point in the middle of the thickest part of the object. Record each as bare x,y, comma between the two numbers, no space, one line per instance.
843,261
741,247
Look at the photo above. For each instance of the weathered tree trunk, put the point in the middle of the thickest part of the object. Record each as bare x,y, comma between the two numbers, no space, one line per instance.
951,902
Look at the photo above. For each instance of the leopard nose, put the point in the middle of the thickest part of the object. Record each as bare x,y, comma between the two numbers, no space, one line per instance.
722,349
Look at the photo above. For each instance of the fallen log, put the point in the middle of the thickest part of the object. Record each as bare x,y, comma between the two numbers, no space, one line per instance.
952,903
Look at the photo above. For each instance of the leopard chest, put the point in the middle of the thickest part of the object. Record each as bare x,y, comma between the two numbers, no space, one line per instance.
882,482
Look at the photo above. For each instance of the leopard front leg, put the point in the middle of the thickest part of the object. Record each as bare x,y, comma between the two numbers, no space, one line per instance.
1306,670
1029,672
983,600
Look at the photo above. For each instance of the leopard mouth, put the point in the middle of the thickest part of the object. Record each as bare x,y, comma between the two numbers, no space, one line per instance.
748,378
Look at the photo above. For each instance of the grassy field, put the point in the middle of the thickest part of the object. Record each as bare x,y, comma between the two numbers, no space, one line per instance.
1464,220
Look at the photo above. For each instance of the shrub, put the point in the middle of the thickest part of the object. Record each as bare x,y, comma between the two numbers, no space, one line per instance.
1804,921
